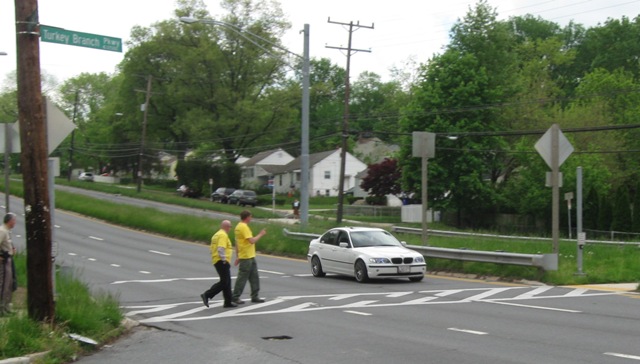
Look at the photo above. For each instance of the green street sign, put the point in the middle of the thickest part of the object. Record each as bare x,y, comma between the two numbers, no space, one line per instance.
70,37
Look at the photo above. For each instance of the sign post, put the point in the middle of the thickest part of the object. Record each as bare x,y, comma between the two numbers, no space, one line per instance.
424,146
568,197
554,148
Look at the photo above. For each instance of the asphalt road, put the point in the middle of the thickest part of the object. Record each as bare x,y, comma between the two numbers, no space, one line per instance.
333,319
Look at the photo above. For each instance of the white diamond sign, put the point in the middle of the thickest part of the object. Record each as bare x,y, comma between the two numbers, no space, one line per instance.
543,146
58,128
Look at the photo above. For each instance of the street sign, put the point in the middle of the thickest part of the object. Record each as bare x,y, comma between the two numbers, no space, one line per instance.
79,39
59,126
543,146
424,144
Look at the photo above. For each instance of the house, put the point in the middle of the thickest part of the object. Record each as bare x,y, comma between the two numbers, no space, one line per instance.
324,173
373,150
257,170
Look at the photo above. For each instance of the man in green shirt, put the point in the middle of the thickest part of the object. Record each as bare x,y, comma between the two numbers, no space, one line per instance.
246,259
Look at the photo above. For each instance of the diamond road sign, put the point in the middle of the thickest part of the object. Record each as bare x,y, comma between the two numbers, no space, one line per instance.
70,37
543,146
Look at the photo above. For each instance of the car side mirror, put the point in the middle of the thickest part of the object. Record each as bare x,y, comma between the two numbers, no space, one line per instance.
404,243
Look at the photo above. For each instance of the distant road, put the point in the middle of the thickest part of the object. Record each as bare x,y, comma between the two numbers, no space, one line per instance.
146,203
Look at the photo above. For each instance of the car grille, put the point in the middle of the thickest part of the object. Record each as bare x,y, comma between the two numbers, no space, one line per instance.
408,260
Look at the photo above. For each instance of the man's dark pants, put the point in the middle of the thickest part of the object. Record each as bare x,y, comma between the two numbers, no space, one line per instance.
224,285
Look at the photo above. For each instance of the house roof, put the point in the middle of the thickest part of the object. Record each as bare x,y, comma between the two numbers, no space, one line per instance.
258,157
314,159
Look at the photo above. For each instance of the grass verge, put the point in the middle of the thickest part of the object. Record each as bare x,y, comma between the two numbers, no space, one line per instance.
77,311
601,263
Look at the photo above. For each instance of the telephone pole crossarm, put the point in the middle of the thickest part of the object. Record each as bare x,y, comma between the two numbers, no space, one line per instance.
345,123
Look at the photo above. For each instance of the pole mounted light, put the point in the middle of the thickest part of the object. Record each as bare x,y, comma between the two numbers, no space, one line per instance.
304,148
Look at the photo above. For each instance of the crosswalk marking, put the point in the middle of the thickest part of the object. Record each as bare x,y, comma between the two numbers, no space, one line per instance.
185,311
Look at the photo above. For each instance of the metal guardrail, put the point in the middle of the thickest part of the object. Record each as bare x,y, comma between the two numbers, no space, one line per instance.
544,261
408,230
299,236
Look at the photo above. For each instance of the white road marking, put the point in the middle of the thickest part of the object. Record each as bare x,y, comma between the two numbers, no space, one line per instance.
532,293
468,331
358,313
56,226
625,356
95,238
115,265
576,292
72,254
269,271
92,259
530,306
145,272
157,252
486,294
165,280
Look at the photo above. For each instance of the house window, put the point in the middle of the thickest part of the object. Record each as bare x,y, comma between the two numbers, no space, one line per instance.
327,174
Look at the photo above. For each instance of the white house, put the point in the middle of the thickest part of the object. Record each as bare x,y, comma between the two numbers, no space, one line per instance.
257,170
324,173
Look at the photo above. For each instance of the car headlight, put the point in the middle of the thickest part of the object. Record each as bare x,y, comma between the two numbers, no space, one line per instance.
379,260
419,259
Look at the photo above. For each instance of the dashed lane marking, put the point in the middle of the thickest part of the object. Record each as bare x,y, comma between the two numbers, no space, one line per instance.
468,331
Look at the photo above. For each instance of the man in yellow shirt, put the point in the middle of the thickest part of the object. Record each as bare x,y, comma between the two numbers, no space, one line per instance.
246,258
221,251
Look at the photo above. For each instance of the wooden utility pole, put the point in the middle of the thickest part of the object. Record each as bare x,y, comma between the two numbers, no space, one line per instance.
345,122
33,162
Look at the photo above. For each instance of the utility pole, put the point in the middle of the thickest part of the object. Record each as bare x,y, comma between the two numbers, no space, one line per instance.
144,131
345,122
73,134
34,163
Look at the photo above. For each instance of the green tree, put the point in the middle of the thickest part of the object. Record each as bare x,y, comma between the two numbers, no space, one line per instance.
454,97
213,88
375,107
621,219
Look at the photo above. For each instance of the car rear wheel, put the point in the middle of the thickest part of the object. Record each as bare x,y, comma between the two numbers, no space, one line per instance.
316,267
360,272
416,279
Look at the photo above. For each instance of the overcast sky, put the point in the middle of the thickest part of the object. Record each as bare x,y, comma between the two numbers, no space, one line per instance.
402,28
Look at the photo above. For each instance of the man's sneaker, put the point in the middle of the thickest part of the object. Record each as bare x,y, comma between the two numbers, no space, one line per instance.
257,300
238,301
229,305
205,300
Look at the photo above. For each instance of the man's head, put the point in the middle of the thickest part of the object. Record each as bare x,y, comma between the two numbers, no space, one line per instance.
245,216
225,225
9,220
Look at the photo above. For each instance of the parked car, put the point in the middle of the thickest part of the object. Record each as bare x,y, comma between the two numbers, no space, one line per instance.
243,197
222,194
364,253
86,176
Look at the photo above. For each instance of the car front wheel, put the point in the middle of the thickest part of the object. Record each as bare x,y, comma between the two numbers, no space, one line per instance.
316,267
360,272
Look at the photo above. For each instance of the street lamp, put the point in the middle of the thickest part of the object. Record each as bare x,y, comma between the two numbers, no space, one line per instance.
304,148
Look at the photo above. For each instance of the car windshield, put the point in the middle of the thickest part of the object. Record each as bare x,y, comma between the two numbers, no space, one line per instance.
361,239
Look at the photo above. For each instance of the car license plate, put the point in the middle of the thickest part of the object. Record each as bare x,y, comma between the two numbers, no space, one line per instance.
404,269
